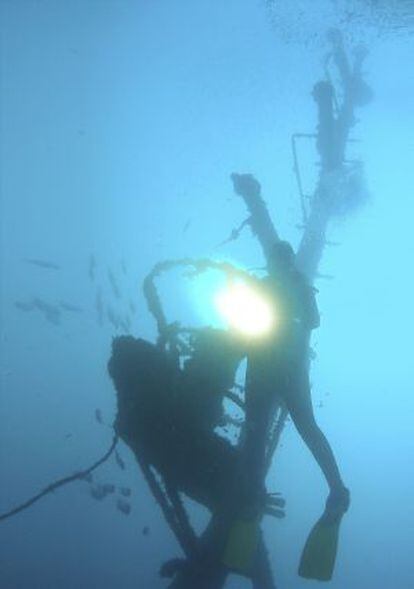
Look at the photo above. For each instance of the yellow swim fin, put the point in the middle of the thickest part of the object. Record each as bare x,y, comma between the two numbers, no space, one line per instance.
319,554
241,546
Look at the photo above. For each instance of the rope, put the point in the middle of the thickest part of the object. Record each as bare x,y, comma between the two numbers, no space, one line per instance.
60,483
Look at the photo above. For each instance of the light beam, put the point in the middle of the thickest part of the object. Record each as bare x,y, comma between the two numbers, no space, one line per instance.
246,310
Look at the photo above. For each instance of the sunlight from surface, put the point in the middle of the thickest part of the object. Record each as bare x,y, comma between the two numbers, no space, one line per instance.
245,310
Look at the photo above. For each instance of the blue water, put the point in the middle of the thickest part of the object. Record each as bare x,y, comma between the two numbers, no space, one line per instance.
121,122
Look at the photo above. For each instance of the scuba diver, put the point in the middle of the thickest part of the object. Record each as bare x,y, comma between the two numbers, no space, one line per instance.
278,376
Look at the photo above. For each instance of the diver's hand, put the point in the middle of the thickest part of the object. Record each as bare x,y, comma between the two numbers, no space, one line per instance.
337,503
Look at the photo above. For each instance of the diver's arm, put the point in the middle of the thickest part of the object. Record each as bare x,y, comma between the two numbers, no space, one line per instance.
299,405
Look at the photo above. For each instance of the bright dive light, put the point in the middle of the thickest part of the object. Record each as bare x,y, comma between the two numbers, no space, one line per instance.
246,310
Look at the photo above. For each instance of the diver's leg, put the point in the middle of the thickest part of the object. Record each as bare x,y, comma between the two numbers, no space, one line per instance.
259,406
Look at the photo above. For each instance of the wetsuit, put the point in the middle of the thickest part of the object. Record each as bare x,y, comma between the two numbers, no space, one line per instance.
277,366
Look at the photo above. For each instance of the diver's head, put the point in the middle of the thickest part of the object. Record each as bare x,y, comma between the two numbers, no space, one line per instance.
281,258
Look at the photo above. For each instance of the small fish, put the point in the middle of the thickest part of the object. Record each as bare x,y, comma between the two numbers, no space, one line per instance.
125,324
119,461
123,506
112,317
69,307
67,436
97,492
125,491
92,267
145,531
50,312
98,416
320,405
108,488
324,276
24,306
312,354
99,306
42,263
53,317
187,225
114,284
44,306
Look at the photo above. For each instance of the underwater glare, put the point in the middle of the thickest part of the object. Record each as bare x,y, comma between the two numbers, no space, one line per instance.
245,310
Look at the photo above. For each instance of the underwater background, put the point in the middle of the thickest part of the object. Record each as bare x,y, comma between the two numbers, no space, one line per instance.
121,122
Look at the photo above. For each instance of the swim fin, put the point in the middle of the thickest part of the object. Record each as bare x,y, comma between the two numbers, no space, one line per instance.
319,554
242,541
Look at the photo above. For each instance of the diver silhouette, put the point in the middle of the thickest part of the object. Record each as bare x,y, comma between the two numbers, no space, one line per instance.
278,376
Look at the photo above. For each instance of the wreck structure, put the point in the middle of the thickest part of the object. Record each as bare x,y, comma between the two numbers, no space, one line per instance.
170,392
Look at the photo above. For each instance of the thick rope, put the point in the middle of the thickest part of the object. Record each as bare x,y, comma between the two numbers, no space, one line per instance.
60,483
